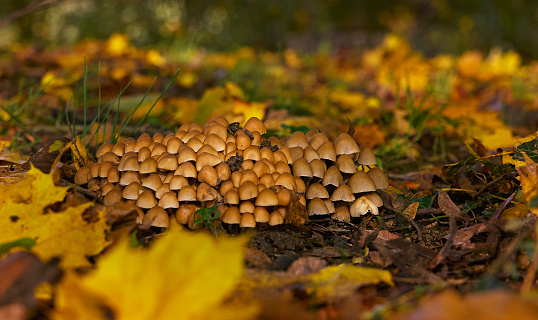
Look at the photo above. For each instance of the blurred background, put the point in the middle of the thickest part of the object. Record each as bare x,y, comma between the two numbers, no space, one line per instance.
448,26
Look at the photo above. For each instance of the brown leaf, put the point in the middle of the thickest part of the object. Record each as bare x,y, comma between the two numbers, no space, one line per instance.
480,149
411,210
448,207
297,214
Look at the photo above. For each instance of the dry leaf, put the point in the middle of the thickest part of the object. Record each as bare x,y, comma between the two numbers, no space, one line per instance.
411,210
65,234
183,275
446,204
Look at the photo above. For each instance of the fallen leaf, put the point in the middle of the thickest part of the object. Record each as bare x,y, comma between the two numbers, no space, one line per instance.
342,280
65,234
448,207
183,275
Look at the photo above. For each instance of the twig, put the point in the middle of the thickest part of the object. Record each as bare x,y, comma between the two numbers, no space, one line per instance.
441,255
485,187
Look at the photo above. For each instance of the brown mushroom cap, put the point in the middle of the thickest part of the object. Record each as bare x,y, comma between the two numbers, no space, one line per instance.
301,168
252,153
275,218
168,162
168,200
361,182
82,176
300,185
343,193
380,178
247,220
187,193
110,156
255,124
206,159
316,206
267,198
341,214
104,149
153,182
316,190
231,196
183,212
177,182
327,152
318,168
131,164
332,177
287,181
215,141
297,139
261,215
205,192
284,197
231,216
129,177
208,174
375,198
164,188
187,170
148,166
318,140
157,217
367,157
146,200
345,164
345,144
362,206
112,197
248,190
310,154
242,141
246,206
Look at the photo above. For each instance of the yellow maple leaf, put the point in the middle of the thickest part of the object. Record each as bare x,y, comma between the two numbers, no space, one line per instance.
63,234
249,109
529,184
343,279
183,275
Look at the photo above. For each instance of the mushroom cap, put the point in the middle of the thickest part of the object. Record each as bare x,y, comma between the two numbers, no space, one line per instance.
252,153
275,218
168,200
242,141
225,187
131,164
149,165
316,190
206,159
158,149
153,182
185,153
261,215
266,153
215,141
205,192
183,212
332,177
173,144
187,170
255,124
247,220
82,175
284,197
168,162
260,168
329,204
231,196
164,188
144,153
267,198
104,148
231,216
267,180
208,174
296,153
345,144
131,191
287,181
128,177
110,156
327,151
249,175
343,193
217,129
301,168
362,206
367,157
341,214
297,139
248,190
112,197
157,217
361,182
187,193
104,168
375,198
345,164
113,175
316,206
146,200
282,167
317,140
300,185
380,178
318,168
310,154
177,182
246,206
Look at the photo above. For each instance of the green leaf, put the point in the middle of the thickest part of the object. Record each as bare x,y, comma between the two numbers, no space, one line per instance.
530,148
26,243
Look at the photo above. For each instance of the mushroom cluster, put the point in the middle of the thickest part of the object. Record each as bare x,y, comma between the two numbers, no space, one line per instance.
253,179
